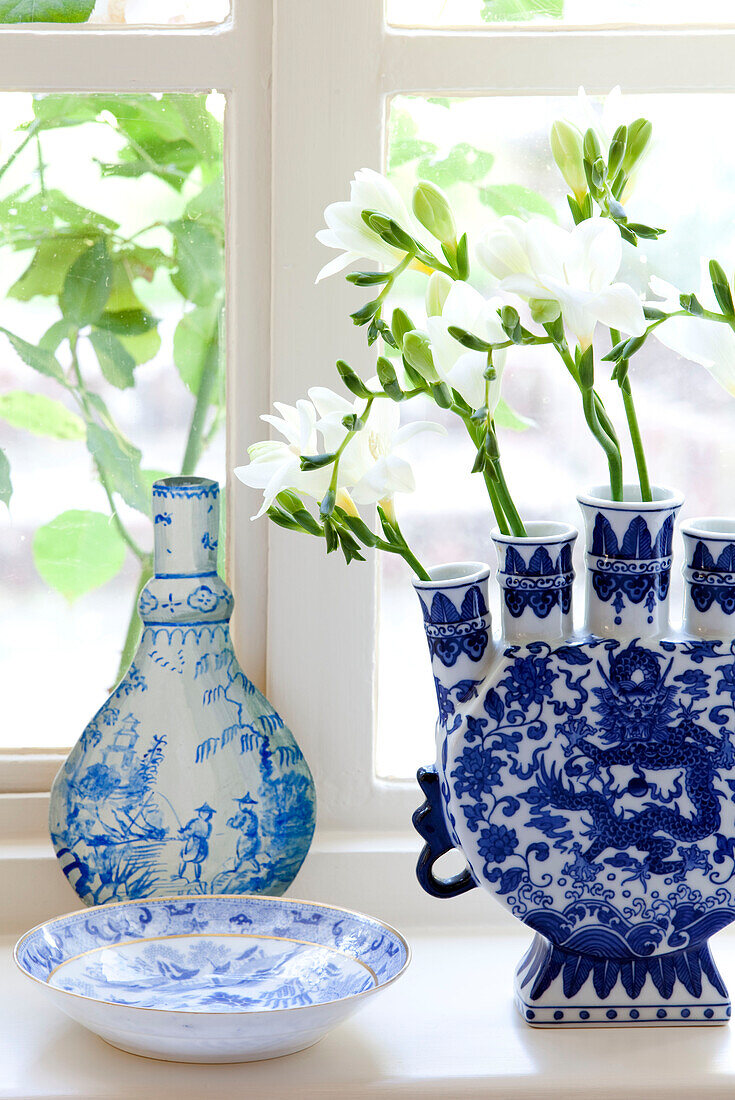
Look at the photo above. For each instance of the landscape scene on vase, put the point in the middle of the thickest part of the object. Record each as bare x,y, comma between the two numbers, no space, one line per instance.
119,836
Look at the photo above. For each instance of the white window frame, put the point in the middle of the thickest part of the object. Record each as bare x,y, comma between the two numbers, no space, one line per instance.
233,58
305,625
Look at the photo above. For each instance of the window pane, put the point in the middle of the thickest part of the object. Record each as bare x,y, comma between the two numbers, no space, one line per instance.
112,13
111,374
576,13
491,155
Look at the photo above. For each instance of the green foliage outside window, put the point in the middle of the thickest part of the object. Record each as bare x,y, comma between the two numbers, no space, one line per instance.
92,278
45,11
518,11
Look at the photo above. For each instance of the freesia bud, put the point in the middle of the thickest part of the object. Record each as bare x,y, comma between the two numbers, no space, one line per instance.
639,135
566,148
431,207
437,290
417,349
400,324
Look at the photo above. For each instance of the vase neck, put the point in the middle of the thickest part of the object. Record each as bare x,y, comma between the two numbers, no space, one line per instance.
535,575
457,624
628,563
709,575
186,525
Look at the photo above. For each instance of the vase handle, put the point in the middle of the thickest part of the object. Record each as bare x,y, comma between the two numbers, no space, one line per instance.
428,821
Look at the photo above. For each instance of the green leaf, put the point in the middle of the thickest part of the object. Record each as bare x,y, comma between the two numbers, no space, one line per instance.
199,127
40,415
403,143
507,417
45,362
6,486
78,551
126,322
87,285
519,11
200,262
195,339
45,11
55,334
208,207
143,348
512,198
120,463
65,109
116,362
463,164
47,271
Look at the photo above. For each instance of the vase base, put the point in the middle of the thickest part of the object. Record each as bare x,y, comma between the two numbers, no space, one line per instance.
556,988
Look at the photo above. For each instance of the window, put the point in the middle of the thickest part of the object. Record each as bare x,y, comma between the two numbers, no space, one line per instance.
112,221
119,96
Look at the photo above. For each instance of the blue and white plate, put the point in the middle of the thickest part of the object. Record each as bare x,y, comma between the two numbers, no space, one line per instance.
221,978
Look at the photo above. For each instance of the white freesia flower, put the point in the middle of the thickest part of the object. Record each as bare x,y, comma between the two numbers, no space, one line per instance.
369,190
460,368
709,343
275,465
371,467
539,260
604,119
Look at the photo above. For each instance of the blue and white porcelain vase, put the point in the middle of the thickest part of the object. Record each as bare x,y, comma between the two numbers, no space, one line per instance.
589,778
186,780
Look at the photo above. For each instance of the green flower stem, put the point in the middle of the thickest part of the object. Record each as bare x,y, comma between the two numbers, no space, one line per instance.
635,438
408,556
633,426
340,450
597,419
132,635
196,438
497,507
612,452
514,519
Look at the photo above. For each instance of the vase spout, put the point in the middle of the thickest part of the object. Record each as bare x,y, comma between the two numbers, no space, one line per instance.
535,575
709,575
454,604
628,561
186,526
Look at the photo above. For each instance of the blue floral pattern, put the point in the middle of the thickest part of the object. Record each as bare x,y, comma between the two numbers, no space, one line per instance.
647,784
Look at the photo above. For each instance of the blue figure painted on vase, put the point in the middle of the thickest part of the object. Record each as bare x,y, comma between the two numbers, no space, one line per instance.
245,822
195,850
589,777
143,804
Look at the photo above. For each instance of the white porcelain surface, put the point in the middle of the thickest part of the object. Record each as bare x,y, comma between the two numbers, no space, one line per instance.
216,979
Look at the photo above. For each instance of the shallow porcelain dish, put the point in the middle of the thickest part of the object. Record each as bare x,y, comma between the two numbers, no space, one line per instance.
218,978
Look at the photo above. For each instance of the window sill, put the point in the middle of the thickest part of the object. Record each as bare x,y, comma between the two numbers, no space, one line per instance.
447,1029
